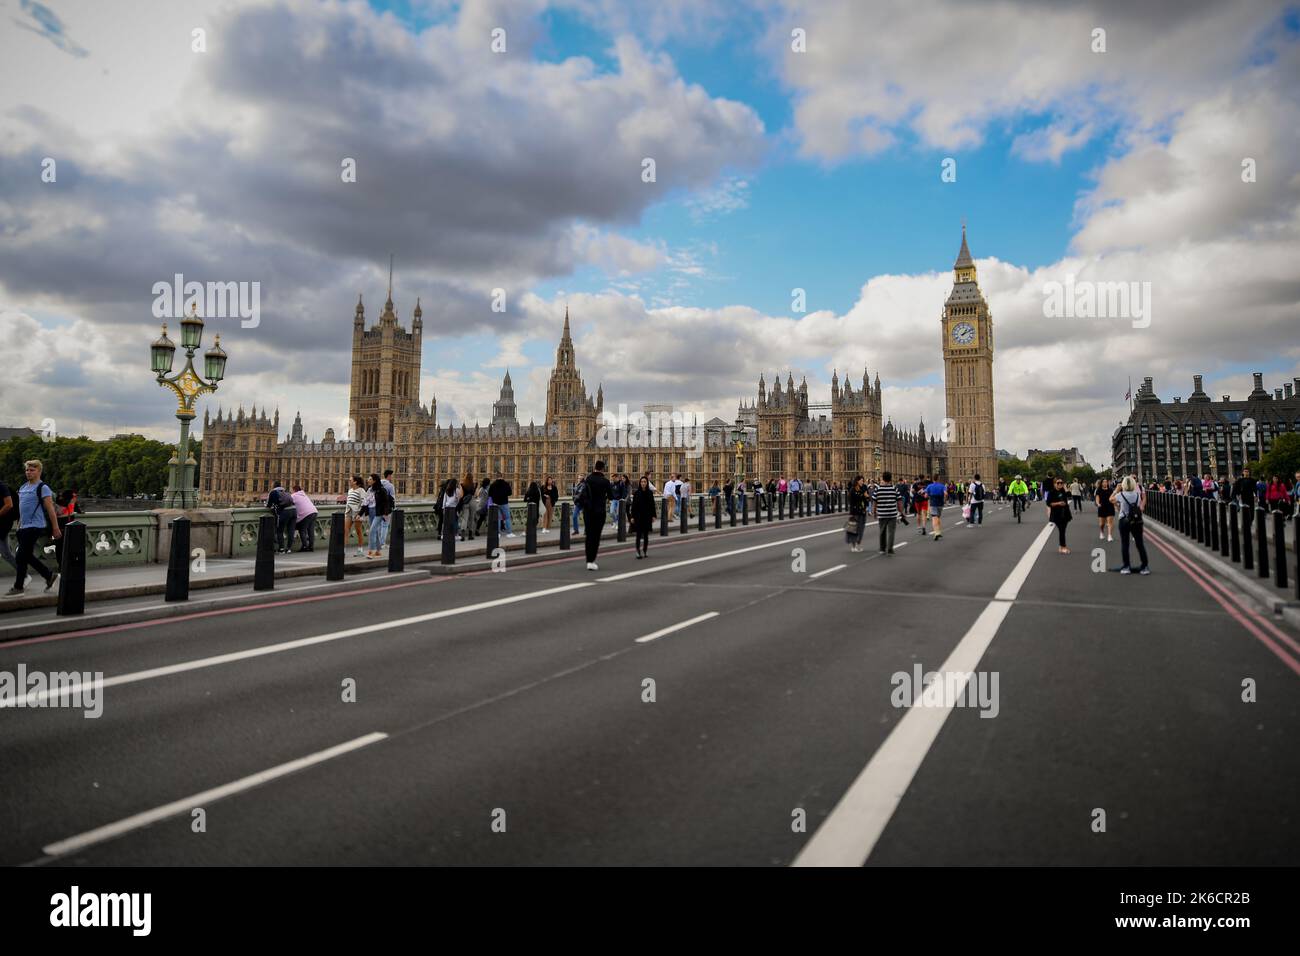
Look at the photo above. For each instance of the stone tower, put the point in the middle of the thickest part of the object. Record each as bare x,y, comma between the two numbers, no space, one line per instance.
568,406
967,328
385,370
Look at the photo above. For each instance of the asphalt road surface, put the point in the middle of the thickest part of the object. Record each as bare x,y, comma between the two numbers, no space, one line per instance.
504,718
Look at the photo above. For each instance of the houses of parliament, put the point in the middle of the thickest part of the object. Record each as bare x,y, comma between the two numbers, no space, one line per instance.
784,432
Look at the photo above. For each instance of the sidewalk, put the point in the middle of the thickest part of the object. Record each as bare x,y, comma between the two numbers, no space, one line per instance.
123,595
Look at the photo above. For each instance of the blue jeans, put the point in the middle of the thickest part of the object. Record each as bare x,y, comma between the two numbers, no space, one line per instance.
503,513
378,533
613,509
577,510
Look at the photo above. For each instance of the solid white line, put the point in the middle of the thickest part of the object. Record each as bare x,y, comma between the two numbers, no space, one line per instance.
186,804
35,698
901,544
849,834
675,627
838,567
724,554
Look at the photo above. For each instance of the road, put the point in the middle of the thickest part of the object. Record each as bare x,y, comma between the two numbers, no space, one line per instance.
516,702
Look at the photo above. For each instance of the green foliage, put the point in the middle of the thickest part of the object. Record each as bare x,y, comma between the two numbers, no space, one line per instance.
1283,459
1084,474
1008,468
119,467
1041,466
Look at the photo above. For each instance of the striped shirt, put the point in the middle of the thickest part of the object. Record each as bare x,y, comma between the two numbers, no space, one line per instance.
886,499
356,498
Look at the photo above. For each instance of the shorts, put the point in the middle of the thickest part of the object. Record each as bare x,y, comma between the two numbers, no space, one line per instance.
936,510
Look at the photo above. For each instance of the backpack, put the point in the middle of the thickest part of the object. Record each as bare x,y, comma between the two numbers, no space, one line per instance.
1134,515
977,492
8,521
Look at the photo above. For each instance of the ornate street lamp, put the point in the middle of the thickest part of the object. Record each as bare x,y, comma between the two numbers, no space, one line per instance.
738,439
188,386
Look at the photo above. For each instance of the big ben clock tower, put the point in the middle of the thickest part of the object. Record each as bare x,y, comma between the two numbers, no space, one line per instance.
968,375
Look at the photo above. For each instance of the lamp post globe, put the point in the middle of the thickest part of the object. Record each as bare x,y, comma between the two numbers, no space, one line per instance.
188,385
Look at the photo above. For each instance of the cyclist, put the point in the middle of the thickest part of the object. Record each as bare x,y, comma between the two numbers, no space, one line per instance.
1018,491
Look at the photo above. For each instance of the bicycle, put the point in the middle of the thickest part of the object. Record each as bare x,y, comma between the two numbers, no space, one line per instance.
1018,507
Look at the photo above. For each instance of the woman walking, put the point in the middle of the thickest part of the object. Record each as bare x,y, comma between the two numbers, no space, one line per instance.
642,513
1105,510
352,514
857,513
451,495
1058,511
464,514
379,512
550,495
1132,502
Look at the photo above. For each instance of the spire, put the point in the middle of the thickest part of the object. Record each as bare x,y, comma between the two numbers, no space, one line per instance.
565,338
361,312
963,257
419,312
390,280
506,383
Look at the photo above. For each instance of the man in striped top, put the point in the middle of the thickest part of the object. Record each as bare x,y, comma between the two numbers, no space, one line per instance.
885,497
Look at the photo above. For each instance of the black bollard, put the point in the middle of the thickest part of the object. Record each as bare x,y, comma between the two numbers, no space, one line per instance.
663,517
565,518
1279,548
744,512
769,507
780,507
621,535
1261,536
1222,519
178,561
758,509
699,504
396,541
530,529
1247,530
1234,539
717,512
334,552
72,572
264,567
448,536
683,507
494,529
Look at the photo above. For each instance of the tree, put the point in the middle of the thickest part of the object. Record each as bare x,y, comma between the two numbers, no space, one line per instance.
130,465
1283,459
1008,468
1044,466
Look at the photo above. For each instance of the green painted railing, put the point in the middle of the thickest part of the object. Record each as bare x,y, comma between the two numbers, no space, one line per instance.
113,539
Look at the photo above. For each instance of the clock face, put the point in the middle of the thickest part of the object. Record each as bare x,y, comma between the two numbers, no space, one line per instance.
963,333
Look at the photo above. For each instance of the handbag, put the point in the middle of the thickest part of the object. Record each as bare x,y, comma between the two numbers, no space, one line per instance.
965,512
851,526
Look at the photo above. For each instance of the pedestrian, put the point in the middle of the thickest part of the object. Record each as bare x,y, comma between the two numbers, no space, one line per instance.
8,514
1105,511
1058,511
1243,492
480,504
499,492
920,504
452,494
642,512
977,494
550,495
1076,494
595,492
305,519
887,513
1132,502
65,509
379,512
465,509
618,491
36,519
280,503
937,492
856,526
388,486
353,513
1278,496
532,496
670,495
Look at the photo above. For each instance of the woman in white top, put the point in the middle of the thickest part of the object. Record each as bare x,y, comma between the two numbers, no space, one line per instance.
451,495
352,514
1131,500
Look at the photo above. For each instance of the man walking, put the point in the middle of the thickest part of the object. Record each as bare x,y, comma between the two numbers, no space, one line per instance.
885,498
36,518
499,492
977,494
1076,494
596,492
937,492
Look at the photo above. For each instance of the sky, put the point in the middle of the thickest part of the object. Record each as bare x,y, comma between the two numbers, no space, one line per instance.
832,147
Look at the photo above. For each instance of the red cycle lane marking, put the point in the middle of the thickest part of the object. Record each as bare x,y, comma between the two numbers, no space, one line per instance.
1240,614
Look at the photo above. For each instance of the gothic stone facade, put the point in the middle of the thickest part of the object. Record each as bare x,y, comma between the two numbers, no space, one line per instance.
242,456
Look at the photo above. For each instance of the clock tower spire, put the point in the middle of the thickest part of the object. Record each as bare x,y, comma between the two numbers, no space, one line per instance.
968,374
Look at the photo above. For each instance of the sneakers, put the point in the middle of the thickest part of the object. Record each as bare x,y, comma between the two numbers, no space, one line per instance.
54,579
938,536
1109,538
359,553
1100,535
13,591
1144,571
1125,570
591,566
